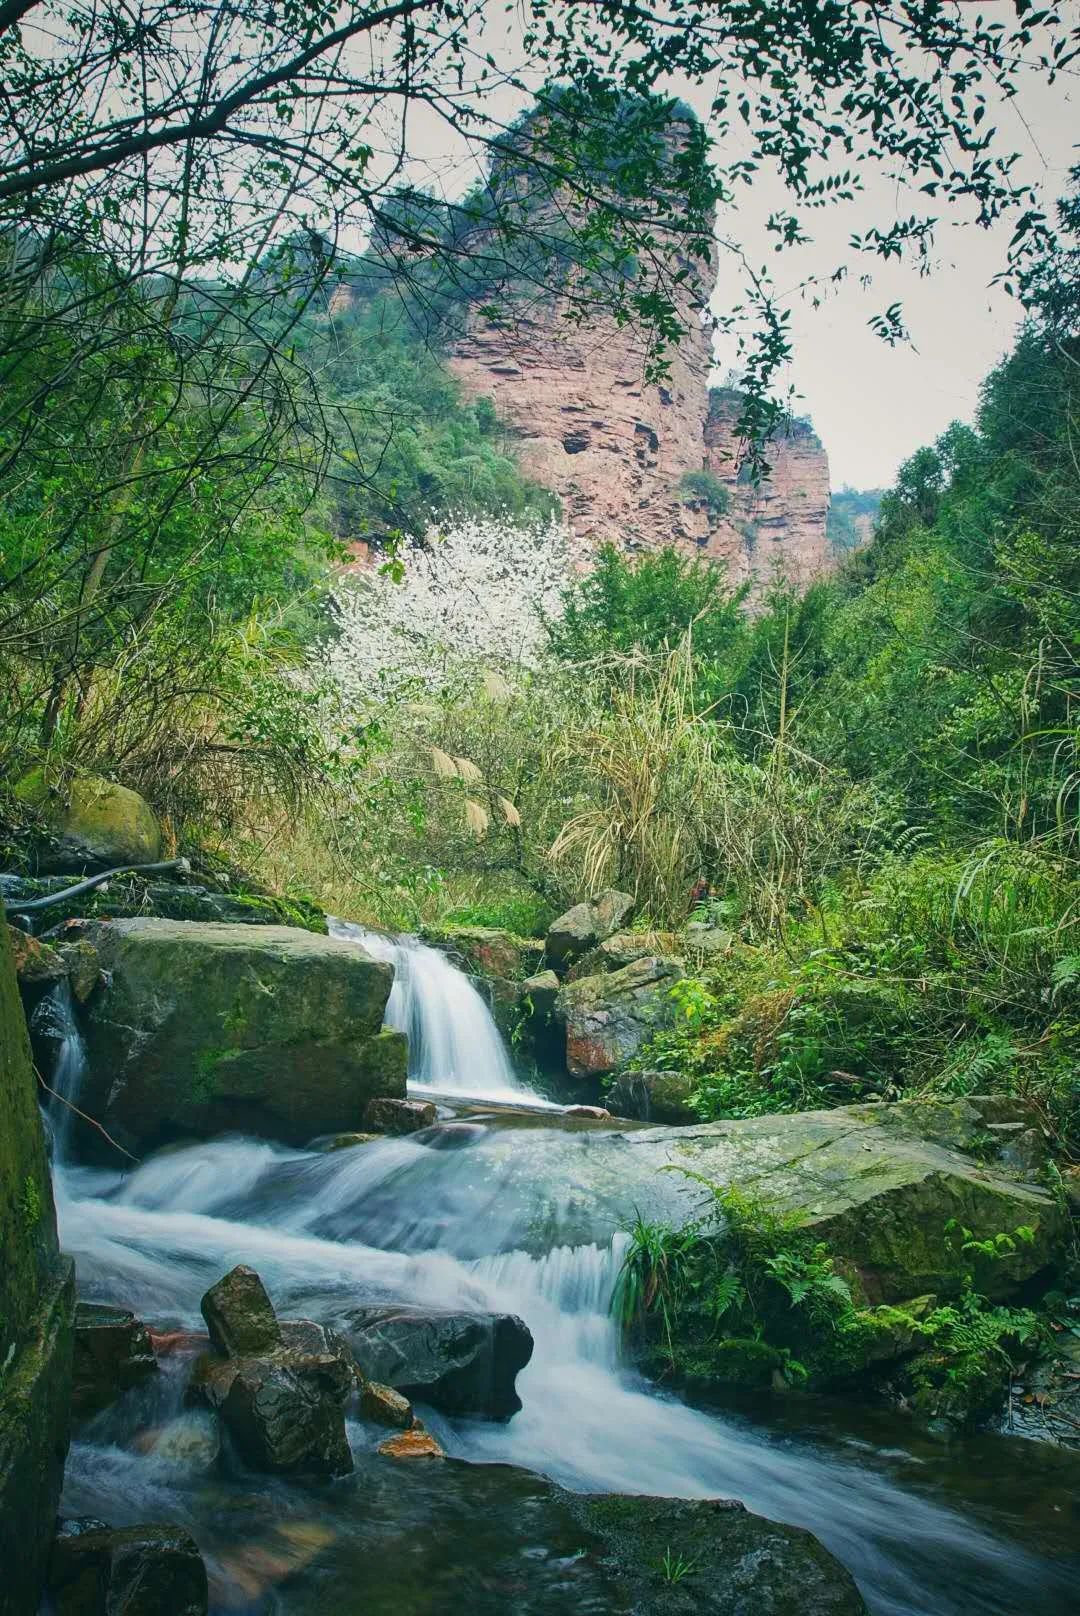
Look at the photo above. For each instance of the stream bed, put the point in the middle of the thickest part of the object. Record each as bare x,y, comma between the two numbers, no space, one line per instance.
479,1212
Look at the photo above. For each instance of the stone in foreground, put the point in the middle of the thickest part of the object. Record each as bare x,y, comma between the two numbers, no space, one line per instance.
113,1352
386,1115
239,1315
133,1571
206,1028
731,1563
462,1363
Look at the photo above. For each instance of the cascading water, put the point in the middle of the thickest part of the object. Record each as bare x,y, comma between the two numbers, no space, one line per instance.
53,1023
454,1045
485,1214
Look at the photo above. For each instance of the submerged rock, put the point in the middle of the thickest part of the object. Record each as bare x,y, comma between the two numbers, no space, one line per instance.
342,1141
205,1028
239,1315
672,1556
113,1352
609,1017
154,1570
586,926
463,1363
385,1115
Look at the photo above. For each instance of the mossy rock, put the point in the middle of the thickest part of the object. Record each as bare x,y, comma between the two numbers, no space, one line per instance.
487,950
36,1303
95,823
203,1028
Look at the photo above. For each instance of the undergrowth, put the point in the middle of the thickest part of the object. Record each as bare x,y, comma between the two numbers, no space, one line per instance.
744,1297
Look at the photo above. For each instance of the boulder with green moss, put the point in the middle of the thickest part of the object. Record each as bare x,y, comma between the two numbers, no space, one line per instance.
487,950
586,926
92,823
36,1302
888,1188
204,1028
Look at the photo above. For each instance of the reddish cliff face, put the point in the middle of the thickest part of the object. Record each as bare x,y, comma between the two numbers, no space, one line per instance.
618,451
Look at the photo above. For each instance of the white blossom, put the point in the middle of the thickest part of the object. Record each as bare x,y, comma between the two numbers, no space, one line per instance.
479,588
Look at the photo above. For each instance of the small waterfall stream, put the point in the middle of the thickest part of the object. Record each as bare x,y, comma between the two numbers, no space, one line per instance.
482,1217
454,1045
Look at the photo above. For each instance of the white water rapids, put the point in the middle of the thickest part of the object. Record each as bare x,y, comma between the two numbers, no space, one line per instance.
479,1213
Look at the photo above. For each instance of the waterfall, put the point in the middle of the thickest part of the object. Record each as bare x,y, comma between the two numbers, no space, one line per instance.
53,1022
455,1047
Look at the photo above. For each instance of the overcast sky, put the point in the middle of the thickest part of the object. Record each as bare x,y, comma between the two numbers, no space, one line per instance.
872,405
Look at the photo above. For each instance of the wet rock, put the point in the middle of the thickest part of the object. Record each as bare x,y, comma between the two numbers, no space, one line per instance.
112,1353
382,1405
83,967
189,1444
385,1115
203,1029
653,1097
37,966
487,950
593,1113
415,1444
609,1017
94,823
731,1563
463,1363
131,1571
342,1141
586,926
284,1412
305,1336
239,1314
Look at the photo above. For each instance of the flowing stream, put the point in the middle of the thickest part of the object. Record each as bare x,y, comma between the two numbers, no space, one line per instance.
480,1212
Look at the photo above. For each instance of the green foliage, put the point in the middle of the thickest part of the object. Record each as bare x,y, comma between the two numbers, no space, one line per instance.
743,1294
30,1205
648,603
525,916
706,487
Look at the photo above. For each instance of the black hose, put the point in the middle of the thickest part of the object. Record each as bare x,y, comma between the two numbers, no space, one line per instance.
34,906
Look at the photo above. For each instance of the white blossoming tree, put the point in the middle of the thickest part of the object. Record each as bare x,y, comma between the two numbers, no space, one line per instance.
478,589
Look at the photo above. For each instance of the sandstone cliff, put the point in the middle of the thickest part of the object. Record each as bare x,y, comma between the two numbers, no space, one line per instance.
622,454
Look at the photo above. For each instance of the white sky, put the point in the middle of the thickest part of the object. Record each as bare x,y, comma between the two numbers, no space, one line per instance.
872,405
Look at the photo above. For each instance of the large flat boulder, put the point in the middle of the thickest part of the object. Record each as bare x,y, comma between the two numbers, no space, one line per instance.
683,1557
881,1184
203,1028
608,1017
463,1363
